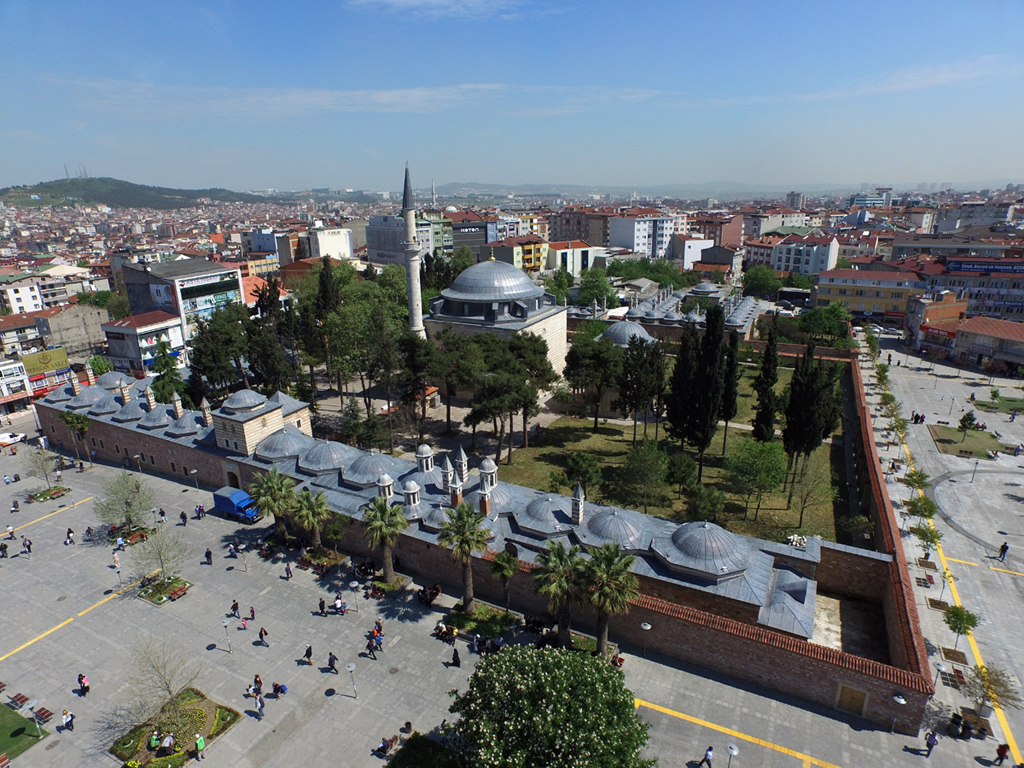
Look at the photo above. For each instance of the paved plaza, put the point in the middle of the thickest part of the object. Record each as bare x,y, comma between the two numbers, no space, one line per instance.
63,615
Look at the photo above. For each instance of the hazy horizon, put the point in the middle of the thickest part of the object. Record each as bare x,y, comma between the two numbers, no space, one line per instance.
802,95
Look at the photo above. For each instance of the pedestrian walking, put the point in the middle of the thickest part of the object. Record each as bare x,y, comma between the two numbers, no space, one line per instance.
252,613
234,610
706,759
1002,752
7,479
117,560
69,721
83,685
257,684
58,477
259,707
163,516
308,655
378,642
1002,552
3,550
184,518
337,606
70,538
243,623
120,543
370,649
27,544
456,661
10,532
209,556
288,570
930,741
200,746
332,662
323,607
379,626
263,637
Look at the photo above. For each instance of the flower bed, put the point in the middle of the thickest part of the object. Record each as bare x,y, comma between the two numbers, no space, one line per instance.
396,586
157,592
484,621
50,493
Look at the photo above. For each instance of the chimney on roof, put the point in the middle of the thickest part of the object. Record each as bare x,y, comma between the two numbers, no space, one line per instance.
485,503
150,397
207,413
455,489
76,385
126,393
462,466
176,404
89,375
578,498
447,472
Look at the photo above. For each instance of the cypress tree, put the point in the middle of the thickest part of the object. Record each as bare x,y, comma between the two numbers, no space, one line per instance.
679,401
730,387
764,386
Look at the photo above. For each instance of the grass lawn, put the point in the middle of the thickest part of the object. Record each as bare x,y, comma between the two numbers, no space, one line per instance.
1002,405
532,466
747,399
951,440
484,621
16,733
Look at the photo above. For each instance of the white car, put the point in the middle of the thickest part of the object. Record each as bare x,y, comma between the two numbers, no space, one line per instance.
877,330
10,438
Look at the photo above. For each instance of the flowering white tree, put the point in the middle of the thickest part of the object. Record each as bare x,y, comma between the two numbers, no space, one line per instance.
527,707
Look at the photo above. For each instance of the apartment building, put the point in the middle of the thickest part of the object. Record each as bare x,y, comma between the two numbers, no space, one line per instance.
15,388
385,238
807,254
874,294
721,228
645,231
591,225
527,252
132,341
687,249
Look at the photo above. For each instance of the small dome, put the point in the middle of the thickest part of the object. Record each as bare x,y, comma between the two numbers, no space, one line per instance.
621,332
491,281
88,396
113,380
104,405
424,452
411,487
635,312
60,395
186,425
488,465
365,470
709,548
133,410
618,526
705,288
385,479
244,400
285,443
325,456
161,416
545,514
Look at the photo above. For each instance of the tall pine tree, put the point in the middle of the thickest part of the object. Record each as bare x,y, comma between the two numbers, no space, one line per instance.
730,386
764,386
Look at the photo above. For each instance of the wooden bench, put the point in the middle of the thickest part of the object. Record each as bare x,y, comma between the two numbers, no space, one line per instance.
43,715
966,454
2,687
20,699
177,592
135,538
304,563
320,568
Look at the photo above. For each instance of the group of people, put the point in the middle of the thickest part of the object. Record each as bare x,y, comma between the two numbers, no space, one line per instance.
375,642
200,511
917,418
482,645
428,596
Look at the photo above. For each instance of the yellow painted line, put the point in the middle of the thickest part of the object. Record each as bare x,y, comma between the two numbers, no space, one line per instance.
1007,733
807,759
68,621
962,562
34,639
1003,570
62,509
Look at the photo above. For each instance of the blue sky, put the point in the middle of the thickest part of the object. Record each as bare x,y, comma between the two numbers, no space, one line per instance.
294,95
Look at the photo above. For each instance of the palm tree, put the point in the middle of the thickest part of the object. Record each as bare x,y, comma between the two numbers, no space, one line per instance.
274,492
609,584
504,566
75,422
465,534
558,579
310,514
384,523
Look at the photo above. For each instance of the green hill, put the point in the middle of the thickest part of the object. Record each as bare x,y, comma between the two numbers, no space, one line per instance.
116,194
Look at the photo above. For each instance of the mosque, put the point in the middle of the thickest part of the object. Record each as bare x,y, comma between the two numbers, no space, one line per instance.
762,611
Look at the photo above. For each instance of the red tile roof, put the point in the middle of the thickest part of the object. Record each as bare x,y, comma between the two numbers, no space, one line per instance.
864,274
999,329
141,321
562,245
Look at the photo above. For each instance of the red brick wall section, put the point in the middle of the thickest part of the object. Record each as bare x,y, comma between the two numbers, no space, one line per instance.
906,642
852,575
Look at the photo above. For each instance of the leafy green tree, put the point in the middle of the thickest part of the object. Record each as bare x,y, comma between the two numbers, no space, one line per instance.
77,424
416,357
583,468
126,497
681,472
168,377
557,577
828,323
761,281
351,419
730,385
643,474
844,263
594,286
274,492
40,463
757,469
383,524
373,433
993,685
100,365
960,621
916,479
458,363
219,345
118,307
813,410
560,284
311,513
526,707
665,272
464,533
268,361
927,536
967,423
705,502
504,567
593,365
635,381
921,507
796,280
531,353
385,362
609,585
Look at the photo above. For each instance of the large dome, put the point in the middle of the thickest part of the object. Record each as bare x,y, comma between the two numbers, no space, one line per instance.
621,332
113,380
710,549
616,526
287,443
326,457
244,399
491,281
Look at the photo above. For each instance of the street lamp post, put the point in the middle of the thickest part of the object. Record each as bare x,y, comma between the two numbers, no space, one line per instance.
901,701
733,750
976,463
951,404
646,628
241,548
138,458
939,669
195,472
120,580
226,624
351,669
354,586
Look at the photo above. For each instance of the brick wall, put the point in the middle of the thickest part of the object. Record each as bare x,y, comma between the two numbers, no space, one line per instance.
850,573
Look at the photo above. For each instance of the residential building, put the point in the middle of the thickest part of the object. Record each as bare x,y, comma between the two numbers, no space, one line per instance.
975,214
795,200
932,320
78,328
918,246
469,229
191,289
643,230
759,250
574,256
535,224
880,198
19,333
996,345
132,341
688,249
806,255
527,252
591,225
722,228
15,388
385,236
20,295
730,259
259,241
874,294
757,223
335,242
441,233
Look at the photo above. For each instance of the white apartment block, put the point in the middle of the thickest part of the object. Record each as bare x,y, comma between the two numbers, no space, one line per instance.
335,242
22,297
14,383
806,255
385,236
650,235
756,223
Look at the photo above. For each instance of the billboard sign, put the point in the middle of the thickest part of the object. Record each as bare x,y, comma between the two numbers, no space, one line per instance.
40,363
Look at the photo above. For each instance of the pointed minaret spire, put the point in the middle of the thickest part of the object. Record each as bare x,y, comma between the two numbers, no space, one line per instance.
433,195
412,261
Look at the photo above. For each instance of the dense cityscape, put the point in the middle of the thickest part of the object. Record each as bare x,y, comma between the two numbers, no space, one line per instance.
635,468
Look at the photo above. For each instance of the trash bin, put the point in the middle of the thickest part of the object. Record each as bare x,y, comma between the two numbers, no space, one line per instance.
954,725
17,478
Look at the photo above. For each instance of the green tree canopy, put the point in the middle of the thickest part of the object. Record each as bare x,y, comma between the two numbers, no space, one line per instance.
527,708
274,492
168,377
383,524
557,577
608,582
593,365
594,286
125,498
967,422
311,513
762,281
960,621
758,468
464,533
100,365
643,474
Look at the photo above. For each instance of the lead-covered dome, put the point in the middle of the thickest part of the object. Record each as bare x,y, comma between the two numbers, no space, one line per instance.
103,405
88,396
621,332
614,526
133,410
287,443
491,281
324,457
113,380
244,400
545,515
366,469
706,549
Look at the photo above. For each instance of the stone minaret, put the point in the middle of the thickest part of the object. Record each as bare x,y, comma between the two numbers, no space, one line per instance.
412,261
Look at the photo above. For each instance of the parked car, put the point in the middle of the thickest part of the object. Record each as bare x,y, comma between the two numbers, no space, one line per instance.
10,438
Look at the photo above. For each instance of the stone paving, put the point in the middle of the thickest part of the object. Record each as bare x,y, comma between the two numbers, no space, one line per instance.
319,722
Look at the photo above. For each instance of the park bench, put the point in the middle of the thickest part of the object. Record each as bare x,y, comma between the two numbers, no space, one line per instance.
390,745
964,454
177,592
20,699
5,762
135,538
43,715
959,676
304,563
320,568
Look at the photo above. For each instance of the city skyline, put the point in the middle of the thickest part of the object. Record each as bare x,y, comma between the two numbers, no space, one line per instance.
512,92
